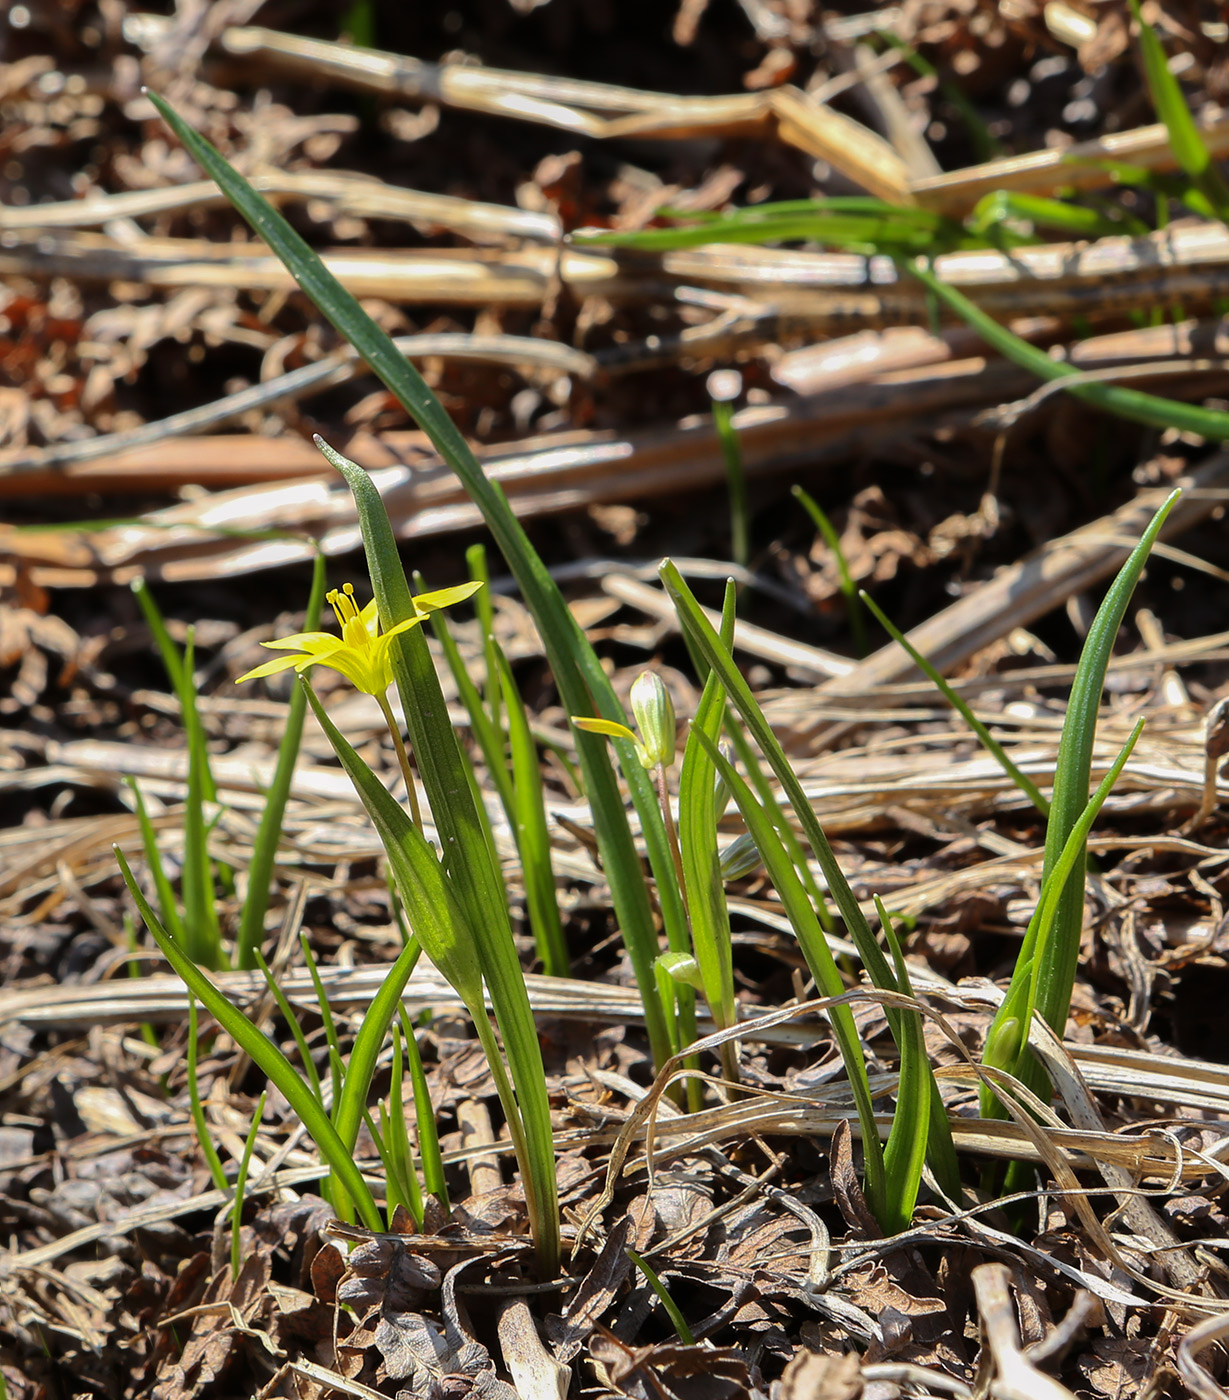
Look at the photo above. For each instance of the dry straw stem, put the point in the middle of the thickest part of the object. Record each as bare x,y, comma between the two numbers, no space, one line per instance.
549,474
606,111
826,292
344,191
597,110
1156,1079
1015,1378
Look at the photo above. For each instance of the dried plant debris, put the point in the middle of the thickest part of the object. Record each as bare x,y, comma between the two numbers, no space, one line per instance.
161,378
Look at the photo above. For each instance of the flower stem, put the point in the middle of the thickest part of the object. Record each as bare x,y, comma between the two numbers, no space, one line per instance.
672,835
403,758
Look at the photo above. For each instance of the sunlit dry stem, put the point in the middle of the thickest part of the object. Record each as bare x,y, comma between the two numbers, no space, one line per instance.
403,758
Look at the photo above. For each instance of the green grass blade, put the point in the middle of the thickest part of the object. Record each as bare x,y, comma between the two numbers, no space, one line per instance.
960,705
532,834
849,589
241,1184
1073,765
1048,990
264,850
709,644
1054,977
677,1320
263,1053
208,1150
172,660
706,906
292,1021
736,479
476,567
823,968
397,1134
153,858
1184,138
1043,943
1134,404
583,685
485,730
905,1152
750,761
429,1154
326,1017
202,938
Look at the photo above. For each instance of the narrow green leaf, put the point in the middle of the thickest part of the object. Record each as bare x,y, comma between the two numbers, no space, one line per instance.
208,1150
819,958
1134,404
476,566
292,1021
1053,976
241,1182
153,858
905,1152
326,1016
751,762
485,730
200,914
529,824
677,1320
736,480
849,589
706,906
961,706
424,1116
261,1050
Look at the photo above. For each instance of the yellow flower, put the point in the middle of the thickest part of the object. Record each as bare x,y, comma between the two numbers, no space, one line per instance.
361,652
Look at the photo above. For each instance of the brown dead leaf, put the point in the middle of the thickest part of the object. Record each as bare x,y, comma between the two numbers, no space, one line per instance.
670,1369
1118,1366
811,1376
596,1293
383,1285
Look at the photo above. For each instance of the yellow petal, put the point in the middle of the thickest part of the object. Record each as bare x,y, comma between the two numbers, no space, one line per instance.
446,597
611,728
404,626
303,641
370,618
270,668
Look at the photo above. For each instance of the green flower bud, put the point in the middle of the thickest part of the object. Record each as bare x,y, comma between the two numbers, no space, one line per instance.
654,712
740,858
681,967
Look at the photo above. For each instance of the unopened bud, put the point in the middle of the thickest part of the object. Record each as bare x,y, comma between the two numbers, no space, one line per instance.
681,967
740,858
654,712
